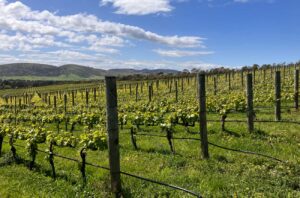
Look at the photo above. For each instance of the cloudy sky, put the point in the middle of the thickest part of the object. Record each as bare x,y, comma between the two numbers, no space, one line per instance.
150,33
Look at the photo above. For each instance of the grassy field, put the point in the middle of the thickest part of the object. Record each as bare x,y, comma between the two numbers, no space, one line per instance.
225,174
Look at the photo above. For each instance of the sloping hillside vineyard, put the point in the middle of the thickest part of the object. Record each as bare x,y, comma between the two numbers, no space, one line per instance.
248,146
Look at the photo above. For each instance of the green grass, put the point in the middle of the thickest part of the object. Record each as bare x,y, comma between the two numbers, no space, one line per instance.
225,174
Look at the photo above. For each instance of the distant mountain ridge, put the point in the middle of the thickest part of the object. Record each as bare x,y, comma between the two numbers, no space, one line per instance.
41,70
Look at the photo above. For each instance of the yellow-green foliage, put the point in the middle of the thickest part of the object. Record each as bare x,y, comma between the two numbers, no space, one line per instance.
2,101
37,100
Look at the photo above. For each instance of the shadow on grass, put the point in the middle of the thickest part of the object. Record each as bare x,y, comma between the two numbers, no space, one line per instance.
223,159
8,160
193,132
232,133
229,132
260,134
126,193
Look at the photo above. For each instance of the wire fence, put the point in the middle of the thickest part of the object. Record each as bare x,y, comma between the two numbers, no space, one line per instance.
198,195
215,145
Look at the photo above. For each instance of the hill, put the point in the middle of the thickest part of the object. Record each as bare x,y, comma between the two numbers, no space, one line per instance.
36,71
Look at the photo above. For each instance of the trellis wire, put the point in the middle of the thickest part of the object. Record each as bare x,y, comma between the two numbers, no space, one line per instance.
122,172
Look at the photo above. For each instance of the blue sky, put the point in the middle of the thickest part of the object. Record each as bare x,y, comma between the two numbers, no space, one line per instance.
180,34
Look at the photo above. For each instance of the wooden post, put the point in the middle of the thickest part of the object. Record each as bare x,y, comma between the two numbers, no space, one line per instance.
149,93
113,134
202,116
296,89
87,98
15,109
176,91
250,114
65,103
95,94
73,98
229,82
54,101
136,92
242,78
277,96
20,103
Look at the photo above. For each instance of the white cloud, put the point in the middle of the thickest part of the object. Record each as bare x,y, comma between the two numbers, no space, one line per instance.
28,35
69,55
23,42
101,49
110,41
140,7
181,53
18,17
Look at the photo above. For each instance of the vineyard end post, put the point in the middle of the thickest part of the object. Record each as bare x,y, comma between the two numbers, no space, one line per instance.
277,96
113,134
202,115
250,114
